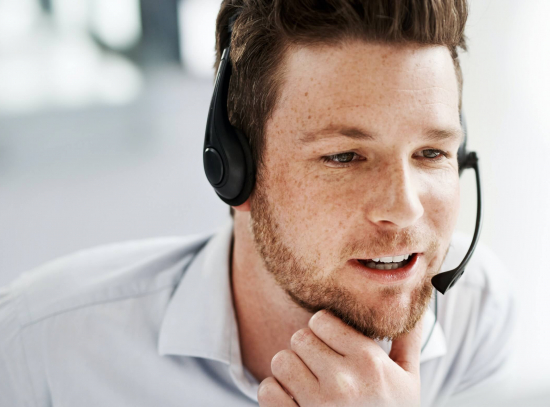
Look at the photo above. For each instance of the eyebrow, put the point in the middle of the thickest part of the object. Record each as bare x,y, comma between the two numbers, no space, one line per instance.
356,133
334,130
445,134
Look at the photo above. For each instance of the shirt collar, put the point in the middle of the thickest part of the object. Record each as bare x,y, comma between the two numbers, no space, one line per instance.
200,319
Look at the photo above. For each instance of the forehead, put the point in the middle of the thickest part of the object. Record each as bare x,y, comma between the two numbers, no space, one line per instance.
360,80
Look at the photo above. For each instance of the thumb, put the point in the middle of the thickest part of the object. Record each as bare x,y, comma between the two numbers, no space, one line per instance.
405,349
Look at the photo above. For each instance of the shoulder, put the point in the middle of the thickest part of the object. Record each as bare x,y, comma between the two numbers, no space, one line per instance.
99,274
91,293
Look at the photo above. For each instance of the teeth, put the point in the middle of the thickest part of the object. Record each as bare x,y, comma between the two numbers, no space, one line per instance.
387,263
394,259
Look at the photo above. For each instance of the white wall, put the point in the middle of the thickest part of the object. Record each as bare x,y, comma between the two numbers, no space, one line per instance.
75,179
506,100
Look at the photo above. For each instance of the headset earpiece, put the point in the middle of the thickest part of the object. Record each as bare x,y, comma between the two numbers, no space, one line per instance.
227,157
462,154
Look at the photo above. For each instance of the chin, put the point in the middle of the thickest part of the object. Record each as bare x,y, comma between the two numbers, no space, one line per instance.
383,313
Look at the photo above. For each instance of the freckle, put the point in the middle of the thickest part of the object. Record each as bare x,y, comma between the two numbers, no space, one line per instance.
305,94
309,117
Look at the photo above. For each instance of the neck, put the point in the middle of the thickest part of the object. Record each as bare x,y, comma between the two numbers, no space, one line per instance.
266,316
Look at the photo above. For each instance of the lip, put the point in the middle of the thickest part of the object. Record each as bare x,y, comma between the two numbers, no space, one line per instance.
388,276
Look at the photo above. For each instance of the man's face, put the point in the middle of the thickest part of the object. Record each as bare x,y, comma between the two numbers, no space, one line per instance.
360,163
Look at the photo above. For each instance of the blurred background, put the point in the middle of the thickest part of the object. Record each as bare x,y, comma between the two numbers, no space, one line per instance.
103,106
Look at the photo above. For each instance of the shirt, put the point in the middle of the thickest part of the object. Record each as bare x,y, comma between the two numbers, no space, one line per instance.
152,323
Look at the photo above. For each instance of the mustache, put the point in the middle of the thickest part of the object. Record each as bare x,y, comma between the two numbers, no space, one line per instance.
386,241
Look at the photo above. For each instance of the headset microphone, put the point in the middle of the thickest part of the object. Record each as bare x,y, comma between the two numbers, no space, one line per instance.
444,281
230,169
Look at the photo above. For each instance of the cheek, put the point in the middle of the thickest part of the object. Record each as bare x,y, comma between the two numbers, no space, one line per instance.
441,200
310,210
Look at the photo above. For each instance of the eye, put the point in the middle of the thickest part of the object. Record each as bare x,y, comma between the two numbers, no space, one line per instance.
432,154
341,159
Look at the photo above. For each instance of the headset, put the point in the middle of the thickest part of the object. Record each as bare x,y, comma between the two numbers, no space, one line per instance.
229,166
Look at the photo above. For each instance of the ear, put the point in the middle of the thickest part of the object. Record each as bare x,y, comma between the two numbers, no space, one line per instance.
245,207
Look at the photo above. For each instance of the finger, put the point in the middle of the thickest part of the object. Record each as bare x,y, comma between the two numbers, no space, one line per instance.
272,394
293,375
405,350
317,355
341,337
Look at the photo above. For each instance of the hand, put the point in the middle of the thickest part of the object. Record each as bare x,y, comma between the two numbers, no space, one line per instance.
331,364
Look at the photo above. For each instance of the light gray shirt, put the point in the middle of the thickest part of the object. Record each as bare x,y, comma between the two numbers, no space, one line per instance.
151,323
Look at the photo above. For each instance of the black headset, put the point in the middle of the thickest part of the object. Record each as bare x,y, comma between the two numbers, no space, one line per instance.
230,169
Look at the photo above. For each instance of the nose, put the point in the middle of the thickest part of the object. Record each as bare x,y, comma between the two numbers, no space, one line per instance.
396,201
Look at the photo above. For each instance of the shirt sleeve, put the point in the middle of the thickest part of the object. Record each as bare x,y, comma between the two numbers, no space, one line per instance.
15,383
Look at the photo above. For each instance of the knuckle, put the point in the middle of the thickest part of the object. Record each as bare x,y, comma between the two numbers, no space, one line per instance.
363,352
377,364
347,386
371,357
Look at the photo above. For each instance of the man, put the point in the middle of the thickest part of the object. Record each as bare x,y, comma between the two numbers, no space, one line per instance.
318,292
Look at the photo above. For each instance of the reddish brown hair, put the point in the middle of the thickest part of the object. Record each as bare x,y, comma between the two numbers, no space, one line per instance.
264,29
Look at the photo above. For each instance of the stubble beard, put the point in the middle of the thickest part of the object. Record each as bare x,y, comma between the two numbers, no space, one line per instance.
390,319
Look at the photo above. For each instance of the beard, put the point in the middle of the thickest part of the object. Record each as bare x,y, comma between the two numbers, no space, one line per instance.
394,314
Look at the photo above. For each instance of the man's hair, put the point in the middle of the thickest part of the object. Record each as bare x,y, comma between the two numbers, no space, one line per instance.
264,29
